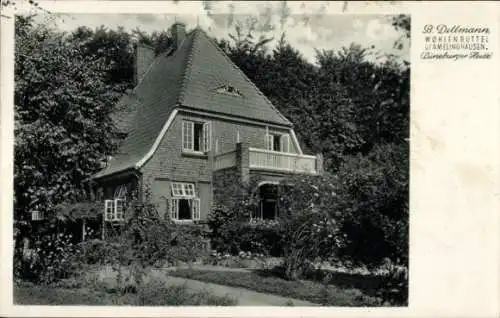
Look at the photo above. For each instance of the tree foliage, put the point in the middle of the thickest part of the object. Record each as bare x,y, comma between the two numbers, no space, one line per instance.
62,125
354,109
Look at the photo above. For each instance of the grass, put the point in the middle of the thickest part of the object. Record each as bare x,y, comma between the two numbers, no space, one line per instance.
151,294
269,282
29,294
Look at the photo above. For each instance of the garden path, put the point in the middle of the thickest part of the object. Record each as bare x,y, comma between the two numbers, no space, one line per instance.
244,296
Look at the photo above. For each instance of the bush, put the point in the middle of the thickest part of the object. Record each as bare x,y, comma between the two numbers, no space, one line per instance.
306,231
145,240
310,223
236,235
261,237
97,251
374,192
51,259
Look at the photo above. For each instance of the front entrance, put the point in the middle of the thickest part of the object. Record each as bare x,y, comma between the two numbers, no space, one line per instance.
268,208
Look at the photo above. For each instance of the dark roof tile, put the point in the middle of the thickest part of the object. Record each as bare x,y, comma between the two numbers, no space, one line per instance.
188,77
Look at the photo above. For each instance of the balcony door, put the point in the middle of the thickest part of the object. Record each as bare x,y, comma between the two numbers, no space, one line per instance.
278,143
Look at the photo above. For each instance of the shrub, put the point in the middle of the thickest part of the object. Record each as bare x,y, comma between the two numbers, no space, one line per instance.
233,230
52,259
235,235
306,232
145,240
97,251
261,237
310,223
374,194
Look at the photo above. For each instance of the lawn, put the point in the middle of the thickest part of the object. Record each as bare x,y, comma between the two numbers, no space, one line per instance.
153,294
333,294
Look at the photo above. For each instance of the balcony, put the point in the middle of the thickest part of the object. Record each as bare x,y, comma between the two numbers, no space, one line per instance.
273,161
281,161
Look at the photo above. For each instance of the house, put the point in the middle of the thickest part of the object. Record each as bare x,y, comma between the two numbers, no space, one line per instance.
197,123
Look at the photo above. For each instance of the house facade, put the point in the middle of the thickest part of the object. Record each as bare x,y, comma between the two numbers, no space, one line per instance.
194,123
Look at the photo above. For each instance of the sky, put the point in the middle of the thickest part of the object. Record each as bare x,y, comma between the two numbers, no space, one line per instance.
308,26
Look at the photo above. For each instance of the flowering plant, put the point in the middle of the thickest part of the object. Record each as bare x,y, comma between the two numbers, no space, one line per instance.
53,258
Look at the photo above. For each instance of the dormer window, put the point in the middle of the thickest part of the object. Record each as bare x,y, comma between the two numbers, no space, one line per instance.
229,90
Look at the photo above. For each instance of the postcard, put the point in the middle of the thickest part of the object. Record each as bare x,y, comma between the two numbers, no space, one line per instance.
250,159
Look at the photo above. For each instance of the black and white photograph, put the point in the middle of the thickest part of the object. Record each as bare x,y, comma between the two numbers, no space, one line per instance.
257,159
211,159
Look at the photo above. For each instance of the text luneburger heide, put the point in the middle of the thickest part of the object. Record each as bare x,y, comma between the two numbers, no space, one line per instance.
455,57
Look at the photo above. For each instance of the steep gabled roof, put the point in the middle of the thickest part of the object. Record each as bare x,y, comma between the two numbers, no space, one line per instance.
209,70
189,77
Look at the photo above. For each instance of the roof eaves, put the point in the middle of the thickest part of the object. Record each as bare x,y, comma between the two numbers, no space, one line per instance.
189,108
96,176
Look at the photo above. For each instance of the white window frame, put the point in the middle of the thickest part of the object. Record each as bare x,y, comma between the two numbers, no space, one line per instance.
114,210
284,141
37,216
188,136
207,136
173,207
184,191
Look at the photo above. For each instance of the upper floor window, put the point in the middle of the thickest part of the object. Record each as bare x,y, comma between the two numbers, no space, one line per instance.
196,136
278,142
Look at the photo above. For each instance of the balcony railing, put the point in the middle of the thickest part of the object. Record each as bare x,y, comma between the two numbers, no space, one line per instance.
281,161
268,160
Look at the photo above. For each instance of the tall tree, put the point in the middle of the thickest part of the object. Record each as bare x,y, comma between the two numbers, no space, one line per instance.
62,125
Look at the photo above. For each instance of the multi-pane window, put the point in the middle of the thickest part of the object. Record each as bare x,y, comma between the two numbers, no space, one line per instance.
196,136
114,210
184,205
182,189
36,216
187,135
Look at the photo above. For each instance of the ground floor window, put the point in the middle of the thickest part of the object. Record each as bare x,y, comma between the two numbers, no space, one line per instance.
184,204
37,216
182,209
114,210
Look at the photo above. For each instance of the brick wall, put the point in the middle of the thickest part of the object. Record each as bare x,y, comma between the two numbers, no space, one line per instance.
169,161
170,164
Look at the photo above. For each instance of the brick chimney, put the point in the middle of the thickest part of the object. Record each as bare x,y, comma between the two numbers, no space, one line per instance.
178,34
143,58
